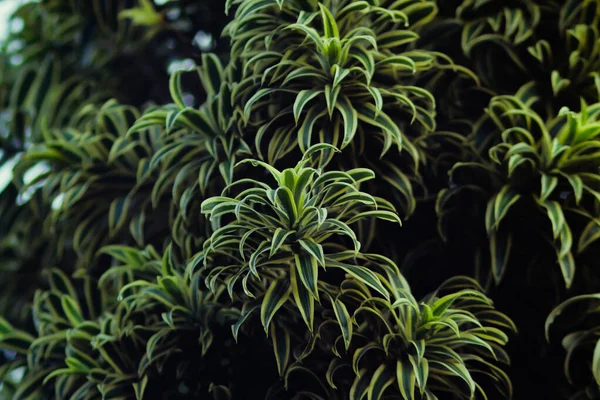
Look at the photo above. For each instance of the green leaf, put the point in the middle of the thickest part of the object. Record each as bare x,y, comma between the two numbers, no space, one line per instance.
314,249
596,363
548,185
117,214
345,321
500,204
350,116
278,240
19,342
306,129
281,346
500,245
457,369
307,268
331,96
567,267
211,74
363,274
303,98
395,38
140,387
555,214
329,24
360,386
277,294
382,378
175,88
305,301
406,379
589,235
71,310
368,114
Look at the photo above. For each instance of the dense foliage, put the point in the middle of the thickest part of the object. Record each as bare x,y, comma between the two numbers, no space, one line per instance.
300,199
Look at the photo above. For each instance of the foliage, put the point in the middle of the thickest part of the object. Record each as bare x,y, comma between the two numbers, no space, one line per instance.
290,199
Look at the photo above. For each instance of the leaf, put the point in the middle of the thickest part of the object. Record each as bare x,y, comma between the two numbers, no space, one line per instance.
500,245
331,96
303,98
383,215
19,342
555,214
278,240
285,200
406,379
277,294
360,386
211,74
117,214
350,116
71,310
175,89
305,301
458,369
596,363
500,204
314,249
140,387
589,235
382,378
548,185
395,38
281,346
567,267
306,129
345,321
329,24
363,274
307,269
369,115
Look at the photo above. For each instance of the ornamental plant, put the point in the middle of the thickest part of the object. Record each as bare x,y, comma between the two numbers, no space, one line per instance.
300,199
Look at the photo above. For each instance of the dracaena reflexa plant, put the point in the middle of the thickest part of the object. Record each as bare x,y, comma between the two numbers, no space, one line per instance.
451,341
274,241
335,76
550,164
80,346
198,147
582,343
96,179
181,316
560,56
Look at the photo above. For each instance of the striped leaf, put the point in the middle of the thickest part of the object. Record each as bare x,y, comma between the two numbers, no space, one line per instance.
277,294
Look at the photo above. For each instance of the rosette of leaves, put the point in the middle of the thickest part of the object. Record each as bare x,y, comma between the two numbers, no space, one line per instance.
286,244
550,168
552,43
334,76
494,28
579,316
198,147
77,345
98,182
183,318
449,342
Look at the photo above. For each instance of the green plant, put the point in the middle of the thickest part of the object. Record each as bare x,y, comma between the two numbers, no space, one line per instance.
550,165
299,199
